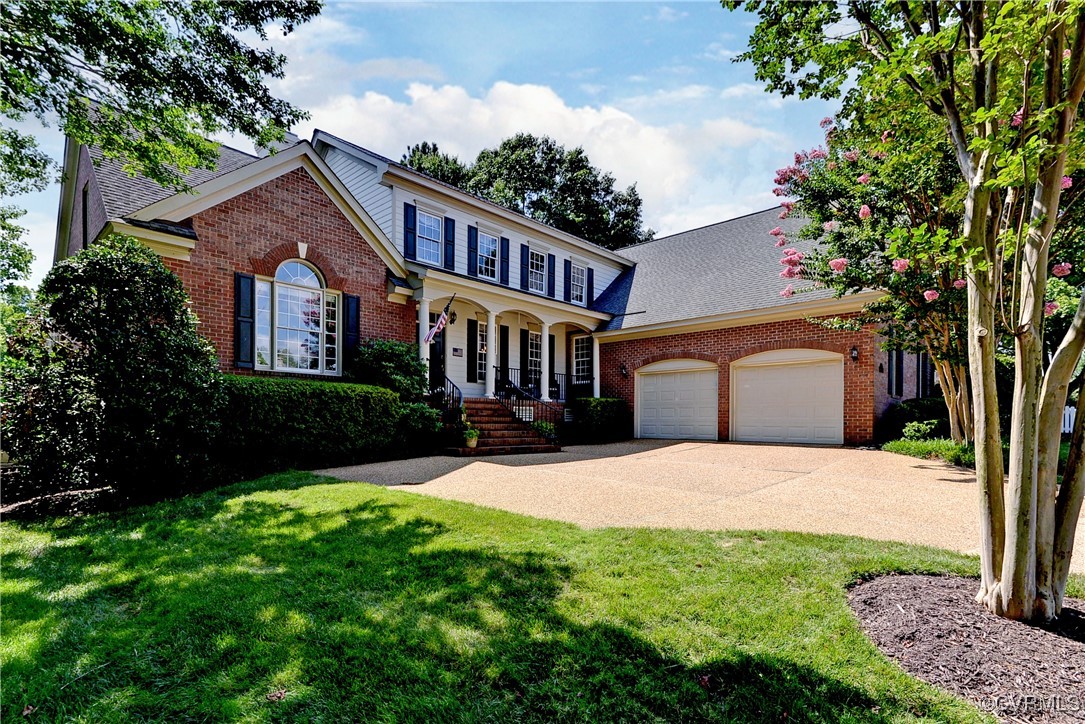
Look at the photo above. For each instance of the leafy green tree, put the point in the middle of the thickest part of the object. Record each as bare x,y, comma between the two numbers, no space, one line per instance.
539,178
880,220
1004,80
429,159
113,387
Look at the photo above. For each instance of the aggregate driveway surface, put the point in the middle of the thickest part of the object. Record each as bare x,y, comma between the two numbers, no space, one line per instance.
713,486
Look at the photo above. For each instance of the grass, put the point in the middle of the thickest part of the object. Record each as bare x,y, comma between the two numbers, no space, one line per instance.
300,598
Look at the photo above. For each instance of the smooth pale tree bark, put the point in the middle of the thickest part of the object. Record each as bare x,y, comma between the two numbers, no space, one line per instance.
1071,493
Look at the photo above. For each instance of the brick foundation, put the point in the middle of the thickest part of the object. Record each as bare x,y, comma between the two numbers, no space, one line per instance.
724,346
255,231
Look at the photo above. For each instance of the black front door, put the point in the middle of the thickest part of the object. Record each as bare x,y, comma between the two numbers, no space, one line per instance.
437,357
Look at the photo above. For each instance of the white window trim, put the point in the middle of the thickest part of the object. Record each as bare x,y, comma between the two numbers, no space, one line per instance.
418,236
577,380
531,251
496,257
482,353
274,329
573,266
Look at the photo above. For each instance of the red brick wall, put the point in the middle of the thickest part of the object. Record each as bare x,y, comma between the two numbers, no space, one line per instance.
724,346
255,231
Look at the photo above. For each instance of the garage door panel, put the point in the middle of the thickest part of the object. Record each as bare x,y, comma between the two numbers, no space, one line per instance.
789,403
678,404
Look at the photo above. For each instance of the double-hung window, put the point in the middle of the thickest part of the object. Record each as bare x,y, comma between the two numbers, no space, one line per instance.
297,322
534,357
483,346
536,271
576,283
429,237
581,360
487,256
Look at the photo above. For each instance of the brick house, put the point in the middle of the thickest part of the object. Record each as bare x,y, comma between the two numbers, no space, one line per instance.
292,257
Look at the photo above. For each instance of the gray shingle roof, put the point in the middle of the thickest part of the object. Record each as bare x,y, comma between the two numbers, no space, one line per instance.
123,194
729,267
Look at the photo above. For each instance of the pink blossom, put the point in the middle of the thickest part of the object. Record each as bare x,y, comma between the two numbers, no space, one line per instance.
901,265
1018,118
864,212
788,205
1061,270
788,291
780,242
831,226
817,154
838,265
831,165
783,214
851,156
828,120
777,232
1067,182
792,272
886,135
864,179
879,154
1066,54
800,158
1050,308
960,283
779,191
930,295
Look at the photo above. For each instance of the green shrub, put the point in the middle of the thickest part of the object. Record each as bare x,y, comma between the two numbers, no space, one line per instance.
418,429
938,448
271,424
890,425
545,429
110,384
600,419
390,364
920,430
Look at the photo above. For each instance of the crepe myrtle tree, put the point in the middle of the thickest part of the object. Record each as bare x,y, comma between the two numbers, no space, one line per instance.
883,219
1005,81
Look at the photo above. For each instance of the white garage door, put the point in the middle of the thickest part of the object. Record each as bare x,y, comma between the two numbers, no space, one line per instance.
677,399
788,396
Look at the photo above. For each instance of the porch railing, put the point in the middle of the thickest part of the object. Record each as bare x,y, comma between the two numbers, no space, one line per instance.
563,387
545,418
447,399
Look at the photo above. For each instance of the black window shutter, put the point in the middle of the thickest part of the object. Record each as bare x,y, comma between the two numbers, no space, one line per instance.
523,265
524,344
410,242
568,280
504,261
553,344
551,273
352,323
589,294
472,251
503,361
472,350
450,244
244,321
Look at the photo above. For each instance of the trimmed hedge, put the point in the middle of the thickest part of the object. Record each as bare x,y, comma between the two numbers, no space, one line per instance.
274,424
890,425
599,420
944,449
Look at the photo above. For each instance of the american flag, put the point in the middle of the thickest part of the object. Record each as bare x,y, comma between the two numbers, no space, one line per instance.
441,322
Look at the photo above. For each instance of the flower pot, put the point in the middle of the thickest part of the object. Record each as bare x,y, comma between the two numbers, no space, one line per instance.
472,441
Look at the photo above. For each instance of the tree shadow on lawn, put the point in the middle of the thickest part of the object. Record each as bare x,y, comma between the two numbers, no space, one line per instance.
269,606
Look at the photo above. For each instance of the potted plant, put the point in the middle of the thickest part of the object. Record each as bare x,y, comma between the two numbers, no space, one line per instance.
470,435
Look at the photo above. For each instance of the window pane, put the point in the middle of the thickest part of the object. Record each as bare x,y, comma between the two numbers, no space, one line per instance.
536,271
429,238
331,318
263,323
582,359
300,318
487,256
294,272
534,357
576,284
482,347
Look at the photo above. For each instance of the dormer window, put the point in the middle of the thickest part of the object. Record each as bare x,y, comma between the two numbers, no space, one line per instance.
429,238
297,321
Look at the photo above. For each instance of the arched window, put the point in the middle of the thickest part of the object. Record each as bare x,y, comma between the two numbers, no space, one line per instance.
297,321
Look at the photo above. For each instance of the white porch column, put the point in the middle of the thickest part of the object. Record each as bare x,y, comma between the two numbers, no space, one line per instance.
594,366
491,353
423,329
544,383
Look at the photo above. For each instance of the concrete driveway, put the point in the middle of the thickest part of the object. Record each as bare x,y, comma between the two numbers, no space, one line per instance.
713,486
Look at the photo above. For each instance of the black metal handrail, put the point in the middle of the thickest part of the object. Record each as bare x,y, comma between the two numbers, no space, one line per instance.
544,418
447,399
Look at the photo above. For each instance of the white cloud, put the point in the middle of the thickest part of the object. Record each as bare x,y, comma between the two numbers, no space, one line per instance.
673,96
668,14
398,69
670,164
718,51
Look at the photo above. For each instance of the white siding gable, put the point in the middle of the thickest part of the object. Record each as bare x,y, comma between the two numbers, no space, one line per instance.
364,181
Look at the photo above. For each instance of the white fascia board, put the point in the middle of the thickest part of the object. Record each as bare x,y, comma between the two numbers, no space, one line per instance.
410,181
819,308
167,245
302,155
437,284
67,199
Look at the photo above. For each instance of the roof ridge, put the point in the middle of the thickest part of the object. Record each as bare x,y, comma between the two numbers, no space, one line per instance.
697,228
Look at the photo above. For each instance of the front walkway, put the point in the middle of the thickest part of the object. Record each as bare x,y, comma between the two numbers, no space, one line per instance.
710,486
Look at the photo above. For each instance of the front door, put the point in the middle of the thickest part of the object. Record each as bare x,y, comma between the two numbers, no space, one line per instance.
437,357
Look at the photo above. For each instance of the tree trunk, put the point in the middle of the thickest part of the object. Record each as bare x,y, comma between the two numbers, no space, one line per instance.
955,394
1068,503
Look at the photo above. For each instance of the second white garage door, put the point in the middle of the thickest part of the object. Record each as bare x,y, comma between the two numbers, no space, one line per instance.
678,399
788,396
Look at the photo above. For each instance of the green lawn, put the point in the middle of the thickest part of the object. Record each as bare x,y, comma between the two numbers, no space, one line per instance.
368,604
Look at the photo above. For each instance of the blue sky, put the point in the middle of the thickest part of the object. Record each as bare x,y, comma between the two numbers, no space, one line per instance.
648,89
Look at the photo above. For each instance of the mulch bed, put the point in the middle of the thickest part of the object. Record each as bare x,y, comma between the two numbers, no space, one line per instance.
932,627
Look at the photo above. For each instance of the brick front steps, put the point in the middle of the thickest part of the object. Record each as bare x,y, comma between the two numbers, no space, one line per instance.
500,432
